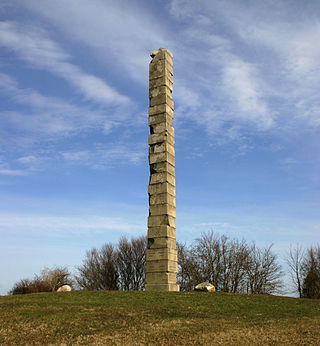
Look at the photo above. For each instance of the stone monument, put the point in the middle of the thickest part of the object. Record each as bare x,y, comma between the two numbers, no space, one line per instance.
161,257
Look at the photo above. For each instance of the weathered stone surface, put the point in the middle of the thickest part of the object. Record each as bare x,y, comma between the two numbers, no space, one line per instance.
161,266
161,243
162,57
162,157
162,127
161,209
159,109
162,177
162,99
161,231
162,287
163,198
161,53
163,89
161,137
162,147
160,68
160,118
205,287
156,74
161,254
163,80
161,188
162,167
161,220
161,278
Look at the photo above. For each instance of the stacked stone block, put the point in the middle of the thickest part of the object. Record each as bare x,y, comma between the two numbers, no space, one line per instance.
161,258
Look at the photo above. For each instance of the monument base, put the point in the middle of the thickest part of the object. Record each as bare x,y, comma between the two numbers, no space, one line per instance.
162,287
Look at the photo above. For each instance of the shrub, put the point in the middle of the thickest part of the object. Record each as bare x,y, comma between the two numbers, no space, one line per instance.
49,280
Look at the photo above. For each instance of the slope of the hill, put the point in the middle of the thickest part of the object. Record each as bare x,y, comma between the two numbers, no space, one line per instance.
139,318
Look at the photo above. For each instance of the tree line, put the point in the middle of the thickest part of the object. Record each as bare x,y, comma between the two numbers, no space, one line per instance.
231,265
112,267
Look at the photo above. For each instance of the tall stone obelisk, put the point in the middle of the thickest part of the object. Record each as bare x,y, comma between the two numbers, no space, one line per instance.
161,257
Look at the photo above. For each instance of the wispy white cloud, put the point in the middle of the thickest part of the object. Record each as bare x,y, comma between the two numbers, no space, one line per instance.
33,45
233,78
238,78
283,45
28,159
49,115
121,33
227,95
24,165
101,156
6,170
263,68
200,97
12,172
45,120
58,225
292,38
246,63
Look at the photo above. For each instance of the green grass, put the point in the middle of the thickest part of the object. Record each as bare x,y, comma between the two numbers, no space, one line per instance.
139,318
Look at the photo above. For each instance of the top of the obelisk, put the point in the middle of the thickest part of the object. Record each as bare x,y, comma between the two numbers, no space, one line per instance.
155,52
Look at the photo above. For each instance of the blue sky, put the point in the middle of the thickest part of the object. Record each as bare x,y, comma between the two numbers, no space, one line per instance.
73,123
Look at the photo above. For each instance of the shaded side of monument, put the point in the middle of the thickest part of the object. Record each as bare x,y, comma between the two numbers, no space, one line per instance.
161,256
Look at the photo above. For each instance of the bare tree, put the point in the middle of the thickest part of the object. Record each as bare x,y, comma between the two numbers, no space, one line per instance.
99,269
263,271
221,261
238,257
108,271
125,265
295,259
182,278
230,265
207,255
114,267
311,270
189,273
139,246
88,272
131,263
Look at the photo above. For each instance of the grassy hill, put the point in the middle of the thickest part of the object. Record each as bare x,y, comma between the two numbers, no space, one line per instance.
138,318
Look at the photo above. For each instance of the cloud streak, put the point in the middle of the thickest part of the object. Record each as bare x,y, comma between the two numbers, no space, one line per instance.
121,33
250,75
48,115
45,121
102,156
54,225
228,95
35,47
262,68
12,172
